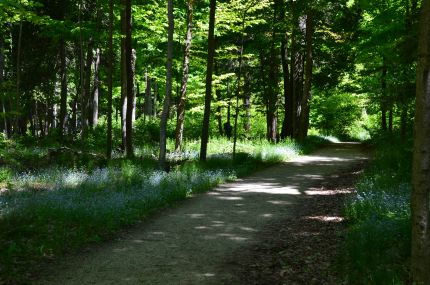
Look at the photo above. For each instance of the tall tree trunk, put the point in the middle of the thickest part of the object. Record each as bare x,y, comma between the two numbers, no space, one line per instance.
133,75
96,91
272,99
129,80
123,75
18,80
238,86
185,74
209,73
219,112
390,119
167,99
287,125
110,82
304,105
420,255
63,95
86,95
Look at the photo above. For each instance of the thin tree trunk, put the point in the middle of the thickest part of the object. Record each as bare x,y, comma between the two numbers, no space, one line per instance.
63,95
420,255
238,86
3,103
133,75
110,82
86,95
129,80
123,75
148,106
209,74
185,74
390,119
96,91
18,79
167,99
304,114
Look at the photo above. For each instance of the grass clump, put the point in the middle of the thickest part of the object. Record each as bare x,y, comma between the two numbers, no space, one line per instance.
378,237
47,213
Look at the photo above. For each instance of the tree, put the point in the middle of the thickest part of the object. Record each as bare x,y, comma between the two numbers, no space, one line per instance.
209,73
420,255
110,81
185,75
167,99
129,80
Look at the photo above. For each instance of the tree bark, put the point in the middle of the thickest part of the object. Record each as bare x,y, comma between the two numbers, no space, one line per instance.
63,95
185,74
2,94
420,254
148,104
96,91
123,76
287,126
304,105
18,80
238,86
169,82
209,73
110,82
129,80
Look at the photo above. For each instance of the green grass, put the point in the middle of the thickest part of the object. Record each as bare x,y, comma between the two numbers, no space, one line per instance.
48,213
378,237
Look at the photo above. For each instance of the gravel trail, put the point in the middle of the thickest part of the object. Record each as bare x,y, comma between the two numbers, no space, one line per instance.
202,240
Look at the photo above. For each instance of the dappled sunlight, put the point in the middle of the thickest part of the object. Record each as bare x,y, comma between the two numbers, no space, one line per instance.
327,192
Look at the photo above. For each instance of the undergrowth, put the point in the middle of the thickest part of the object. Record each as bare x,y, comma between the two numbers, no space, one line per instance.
52,211
378,236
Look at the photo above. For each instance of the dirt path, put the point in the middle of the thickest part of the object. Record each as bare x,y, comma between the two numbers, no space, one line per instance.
213,238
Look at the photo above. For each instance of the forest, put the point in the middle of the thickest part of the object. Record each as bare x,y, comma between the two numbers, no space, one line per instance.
113,110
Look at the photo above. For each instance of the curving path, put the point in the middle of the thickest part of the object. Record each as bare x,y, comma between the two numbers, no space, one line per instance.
190,243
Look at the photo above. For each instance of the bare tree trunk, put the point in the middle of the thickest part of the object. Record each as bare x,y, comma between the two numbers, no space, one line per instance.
304,114
238,86
129,80
63,95
133,75
287,126
110,82
148,106
167,99
420,256
96,91
185,74
123,75
209,73
86,95
18,79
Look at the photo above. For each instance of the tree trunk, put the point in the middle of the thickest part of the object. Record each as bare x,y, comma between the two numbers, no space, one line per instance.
133,73
2,94
209,73
287,126
148,106
238,86
123,75
129,80
95,95
18,80
420,255
304,105
179,134
167,99
63,95
110,82
86,95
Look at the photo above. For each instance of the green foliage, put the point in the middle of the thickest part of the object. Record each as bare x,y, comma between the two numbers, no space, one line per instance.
378,236
336,113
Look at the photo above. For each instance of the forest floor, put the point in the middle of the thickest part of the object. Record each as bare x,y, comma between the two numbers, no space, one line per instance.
278,226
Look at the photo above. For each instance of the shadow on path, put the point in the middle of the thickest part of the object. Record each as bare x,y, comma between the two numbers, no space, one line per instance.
191,243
